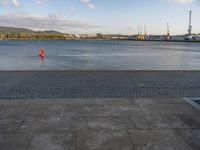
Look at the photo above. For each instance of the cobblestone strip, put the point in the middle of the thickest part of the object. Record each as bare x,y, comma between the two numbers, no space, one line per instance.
98,84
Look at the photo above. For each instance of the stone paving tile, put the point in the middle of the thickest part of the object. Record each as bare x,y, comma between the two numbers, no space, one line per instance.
114,101
159,101
110,123
126,110
78,111
12,112
103,140
105,101
157,140
158,109
102,111
192,120
53,141
47,102
13,103
75,123
168,109
54,124
99,110
10,125
44,111
91,122
38,125
192,137
159,122
123,123
15,141
80,102
186,109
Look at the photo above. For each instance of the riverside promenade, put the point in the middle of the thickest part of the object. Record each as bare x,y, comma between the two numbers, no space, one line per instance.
99,110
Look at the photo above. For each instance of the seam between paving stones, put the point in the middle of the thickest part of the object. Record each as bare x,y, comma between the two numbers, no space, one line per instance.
131,140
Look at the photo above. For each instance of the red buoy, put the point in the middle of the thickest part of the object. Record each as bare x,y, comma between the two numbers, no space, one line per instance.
42,54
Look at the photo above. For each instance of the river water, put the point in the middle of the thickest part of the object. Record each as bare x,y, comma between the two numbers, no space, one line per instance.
99,55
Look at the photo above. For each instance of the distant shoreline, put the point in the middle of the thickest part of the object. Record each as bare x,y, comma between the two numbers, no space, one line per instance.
183,41
12,33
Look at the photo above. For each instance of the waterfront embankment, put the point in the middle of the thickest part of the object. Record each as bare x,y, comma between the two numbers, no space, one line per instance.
99,110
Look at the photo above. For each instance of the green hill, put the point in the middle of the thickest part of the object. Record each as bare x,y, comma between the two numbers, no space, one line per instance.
24,30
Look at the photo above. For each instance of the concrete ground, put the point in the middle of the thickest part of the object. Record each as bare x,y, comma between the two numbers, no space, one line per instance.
99,124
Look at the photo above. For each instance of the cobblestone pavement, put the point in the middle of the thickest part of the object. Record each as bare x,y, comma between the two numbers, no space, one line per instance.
99,124
98,84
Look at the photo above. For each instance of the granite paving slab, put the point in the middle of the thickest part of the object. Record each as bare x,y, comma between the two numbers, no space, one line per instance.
192,137
99,124
103,140
158,140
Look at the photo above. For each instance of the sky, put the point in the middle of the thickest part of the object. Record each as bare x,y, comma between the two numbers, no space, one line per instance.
101,16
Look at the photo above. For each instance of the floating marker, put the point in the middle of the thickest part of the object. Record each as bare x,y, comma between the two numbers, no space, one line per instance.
42,54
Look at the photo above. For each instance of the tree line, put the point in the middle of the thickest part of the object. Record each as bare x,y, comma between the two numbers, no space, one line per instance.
32,36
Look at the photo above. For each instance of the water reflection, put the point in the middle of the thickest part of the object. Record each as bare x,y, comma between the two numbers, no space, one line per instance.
42,59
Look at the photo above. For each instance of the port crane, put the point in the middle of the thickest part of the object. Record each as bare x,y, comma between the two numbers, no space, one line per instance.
189,35
168,33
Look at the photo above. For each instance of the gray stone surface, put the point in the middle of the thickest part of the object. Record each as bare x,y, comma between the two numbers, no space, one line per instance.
99,124
10,125
192,137
103,140
192,120
168,109
159,122
52,141
11,112
15,141
158,140
98,84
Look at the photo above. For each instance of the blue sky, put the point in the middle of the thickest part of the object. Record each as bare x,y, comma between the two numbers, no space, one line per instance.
101,16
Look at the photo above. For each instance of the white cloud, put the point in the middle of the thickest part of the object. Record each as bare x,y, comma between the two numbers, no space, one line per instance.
180,1
91,6
14,3
85,1
88,3
55,16
51,22
39,2
3,2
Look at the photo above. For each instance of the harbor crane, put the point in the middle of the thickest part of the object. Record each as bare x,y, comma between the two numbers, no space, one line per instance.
168,33
190,23
189,35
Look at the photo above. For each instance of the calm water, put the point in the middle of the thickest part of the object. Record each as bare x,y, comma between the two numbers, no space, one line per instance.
97,55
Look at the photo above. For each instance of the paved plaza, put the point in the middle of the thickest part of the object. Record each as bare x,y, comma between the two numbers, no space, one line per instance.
96,110
99,124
